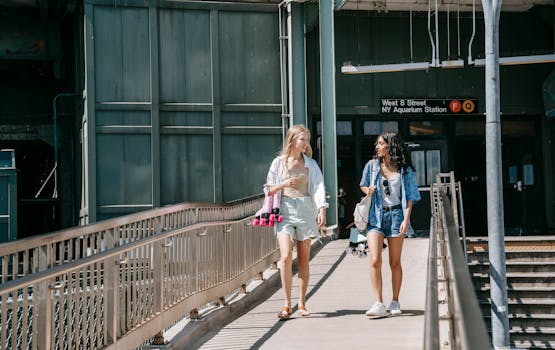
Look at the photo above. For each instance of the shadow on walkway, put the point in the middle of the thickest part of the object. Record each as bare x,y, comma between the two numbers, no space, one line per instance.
338,297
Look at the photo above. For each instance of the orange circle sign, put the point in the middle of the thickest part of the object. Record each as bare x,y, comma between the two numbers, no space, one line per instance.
455,106
468,106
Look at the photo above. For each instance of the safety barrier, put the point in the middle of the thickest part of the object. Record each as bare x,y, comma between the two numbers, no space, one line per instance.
453,318
27,256
128,293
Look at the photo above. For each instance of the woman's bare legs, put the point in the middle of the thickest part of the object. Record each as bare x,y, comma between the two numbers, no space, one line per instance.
303,256
395,247
286,273
375,242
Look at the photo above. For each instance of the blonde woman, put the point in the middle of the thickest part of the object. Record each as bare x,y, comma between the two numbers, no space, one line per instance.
303,205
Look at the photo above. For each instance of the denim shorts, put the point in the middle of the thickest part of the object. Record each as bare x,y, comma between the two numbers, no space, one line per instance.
299,218
391,222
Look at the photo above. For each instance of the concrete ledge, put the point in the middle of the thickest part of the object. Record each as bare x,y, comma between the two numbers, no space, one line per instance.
191,336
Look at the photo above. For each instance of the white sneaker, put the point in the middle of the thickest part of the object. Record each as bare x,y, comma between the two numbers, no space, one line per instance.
378,309
395,308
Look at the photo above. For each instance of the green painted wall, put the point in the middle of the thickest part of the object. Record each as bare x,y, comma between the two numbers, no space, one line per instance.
183,103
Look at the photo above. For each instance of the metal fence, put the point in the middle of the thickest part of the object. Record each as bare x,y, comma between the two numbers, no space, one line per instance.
27,256
127,293
453,319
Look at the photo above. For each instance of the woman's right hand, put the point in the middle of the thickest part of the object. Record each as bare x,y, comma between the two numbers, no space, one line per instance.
371,190
291,182
279,187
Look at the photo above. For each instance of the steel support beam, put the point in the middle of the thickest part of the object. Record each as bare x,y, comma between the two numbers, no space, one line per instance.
327,82
496,231
297,72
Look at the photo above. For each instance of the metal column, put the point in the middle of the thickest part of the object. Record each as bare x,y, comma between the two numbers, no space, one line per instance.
297,71
327,82
496,232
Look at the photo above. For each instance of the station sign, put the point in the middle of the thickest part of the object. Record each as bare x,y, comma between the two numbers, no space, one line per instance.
428,106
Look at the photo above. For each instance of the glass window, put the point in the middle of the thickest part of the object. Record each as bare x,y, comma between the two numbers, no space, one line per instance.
433,165
427,164
344,128
376,128
426,128
419,162
528,174
513,176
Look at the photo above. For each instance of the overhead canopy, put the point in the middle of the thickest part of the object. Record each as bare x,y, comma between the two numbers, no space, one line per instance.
422,5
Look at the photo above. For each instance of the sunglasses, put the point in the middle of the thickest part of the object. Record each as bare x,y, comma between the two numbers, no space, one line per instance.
385,184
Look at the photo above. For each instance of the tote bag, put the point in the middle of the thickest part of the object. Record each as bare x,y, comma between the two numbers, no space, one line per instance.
361,213
363,207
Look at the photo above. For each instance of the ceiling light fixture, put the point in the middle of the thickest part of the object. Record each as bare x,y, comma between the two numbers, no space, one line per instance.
515,60
348,68
452,64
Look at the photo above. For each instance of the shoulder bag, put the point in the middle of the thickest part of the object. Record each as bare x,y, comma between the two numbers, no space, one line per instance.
363,207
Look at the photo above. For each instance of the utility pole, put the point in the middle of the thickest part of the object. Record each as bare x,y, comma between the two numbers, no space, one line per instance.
327,82
494,181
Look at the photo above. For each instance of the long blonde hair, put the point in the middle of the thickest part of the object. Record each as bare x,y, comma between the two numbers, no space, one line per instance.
294,132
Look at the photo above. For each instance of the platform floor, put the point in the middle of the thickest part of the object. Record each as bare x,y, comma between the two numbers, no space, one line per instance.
339,295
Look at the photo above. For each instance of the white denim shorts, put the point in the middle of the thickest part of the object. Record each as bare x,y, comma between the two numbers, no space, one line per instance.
299,218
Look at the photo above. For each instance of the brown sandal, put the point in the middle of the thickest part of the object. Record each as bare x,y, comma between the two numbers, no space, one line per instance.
303,311
285,313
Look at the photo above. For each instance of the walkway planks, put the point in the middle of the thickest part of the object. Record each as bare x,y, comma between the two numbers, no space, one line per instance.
338,296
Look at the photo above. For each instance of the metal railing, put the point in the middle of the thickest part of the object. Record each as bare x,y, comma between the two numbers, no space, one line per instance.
27,256
453,318
126,294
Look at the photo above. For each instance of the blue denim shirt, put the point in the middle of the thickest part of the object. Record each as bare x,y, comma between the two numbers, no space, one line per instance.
371,176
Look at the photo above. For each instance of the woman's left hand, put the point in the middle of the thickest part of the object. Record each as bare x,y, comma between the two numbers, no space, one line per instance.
403,229
321,219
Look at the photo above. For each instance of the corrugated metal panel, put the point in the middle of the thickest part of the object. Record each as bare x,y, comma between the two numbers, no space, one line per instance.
185,64
182,100
248,47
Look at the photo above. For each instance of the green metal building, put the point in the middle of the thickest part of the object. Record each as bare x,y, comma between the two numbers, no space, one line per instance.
173,101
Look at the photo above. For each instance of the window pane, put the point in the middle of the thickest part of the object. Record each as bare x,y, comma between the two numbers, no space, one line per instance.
426,128
376,128
344,128
528,174
372,128
420,165
390,126
513,176
433,162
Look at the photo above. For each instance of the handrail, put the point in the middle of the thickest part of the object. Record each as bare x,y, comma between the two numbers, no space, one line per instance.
123,296
461,313
30,255
470,329
431,316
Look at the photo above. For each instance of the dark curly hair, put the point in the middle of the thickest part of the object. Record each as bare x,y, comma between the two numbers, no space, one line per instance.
398,153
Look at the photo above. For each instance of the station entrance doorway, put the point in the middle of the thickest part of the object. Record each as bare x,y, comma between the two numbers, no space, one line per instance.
523,201
355,147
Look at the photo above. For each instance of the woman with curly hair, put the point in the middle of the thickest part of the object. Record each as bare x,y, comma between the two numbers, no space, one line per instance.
389,177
